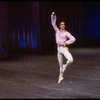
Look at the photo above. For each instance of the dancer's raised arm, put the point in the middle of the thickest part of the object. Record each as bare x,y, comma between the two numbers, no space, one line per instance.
53,21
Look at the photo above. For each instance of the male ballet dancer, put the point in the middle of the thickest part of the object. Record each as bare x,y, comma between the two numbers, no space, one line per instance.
63,38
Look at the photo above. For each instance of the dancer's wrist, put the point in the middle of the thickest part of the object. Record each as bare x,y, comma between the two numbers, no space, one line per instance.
53,13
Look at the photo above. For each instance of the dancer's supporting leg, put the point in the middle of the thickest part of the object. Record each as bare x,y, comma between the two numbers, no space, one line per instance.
60,60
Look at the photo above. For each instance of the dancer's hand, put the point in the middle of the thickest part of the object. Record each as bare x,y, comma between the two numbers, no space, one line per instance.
53,13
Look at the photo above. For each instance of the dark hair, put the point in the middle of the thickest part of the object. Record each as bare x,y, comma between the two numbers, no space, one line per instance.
62,21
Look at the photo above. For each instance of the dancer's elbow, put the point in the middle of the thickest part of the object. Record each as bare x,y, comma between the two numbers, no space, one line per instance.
73,40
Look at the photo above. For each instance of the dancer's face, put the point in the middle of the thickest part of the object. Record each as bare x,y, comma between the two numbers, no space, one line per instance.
62,26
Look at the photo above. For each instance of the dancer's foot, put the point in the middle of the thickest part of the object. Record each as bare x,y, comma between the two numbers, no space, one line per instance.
60,79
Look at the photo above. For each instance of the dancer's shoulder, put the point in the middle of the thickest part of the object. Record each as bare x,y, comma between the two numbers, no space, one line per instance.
68,32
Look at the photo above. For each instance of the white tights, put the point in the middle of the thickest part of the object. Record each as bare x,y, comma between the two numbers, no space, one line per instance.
64,51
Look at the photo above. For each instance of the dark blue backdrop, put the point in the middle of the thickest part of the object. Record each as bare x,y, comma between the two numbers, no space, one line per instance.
27,25
92,20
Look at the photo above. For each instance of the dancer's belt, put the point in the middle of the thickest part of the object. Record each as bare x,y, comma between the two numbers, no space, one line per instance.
60,45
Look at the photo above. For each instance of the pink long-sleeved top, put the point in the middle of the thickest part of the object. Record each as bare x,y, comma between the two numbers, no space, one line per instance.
62,37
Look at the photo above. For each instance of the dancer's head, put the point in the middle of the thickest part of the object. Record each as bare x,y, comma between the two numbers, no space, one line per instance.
62,25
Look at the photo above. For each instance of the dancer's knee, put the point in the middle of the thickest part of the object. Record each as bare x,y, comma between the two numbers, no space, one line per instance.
70,61
60,63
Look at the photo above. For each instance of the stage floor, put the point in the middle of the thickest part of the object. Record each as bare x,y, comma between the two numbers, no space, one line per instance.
36,76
